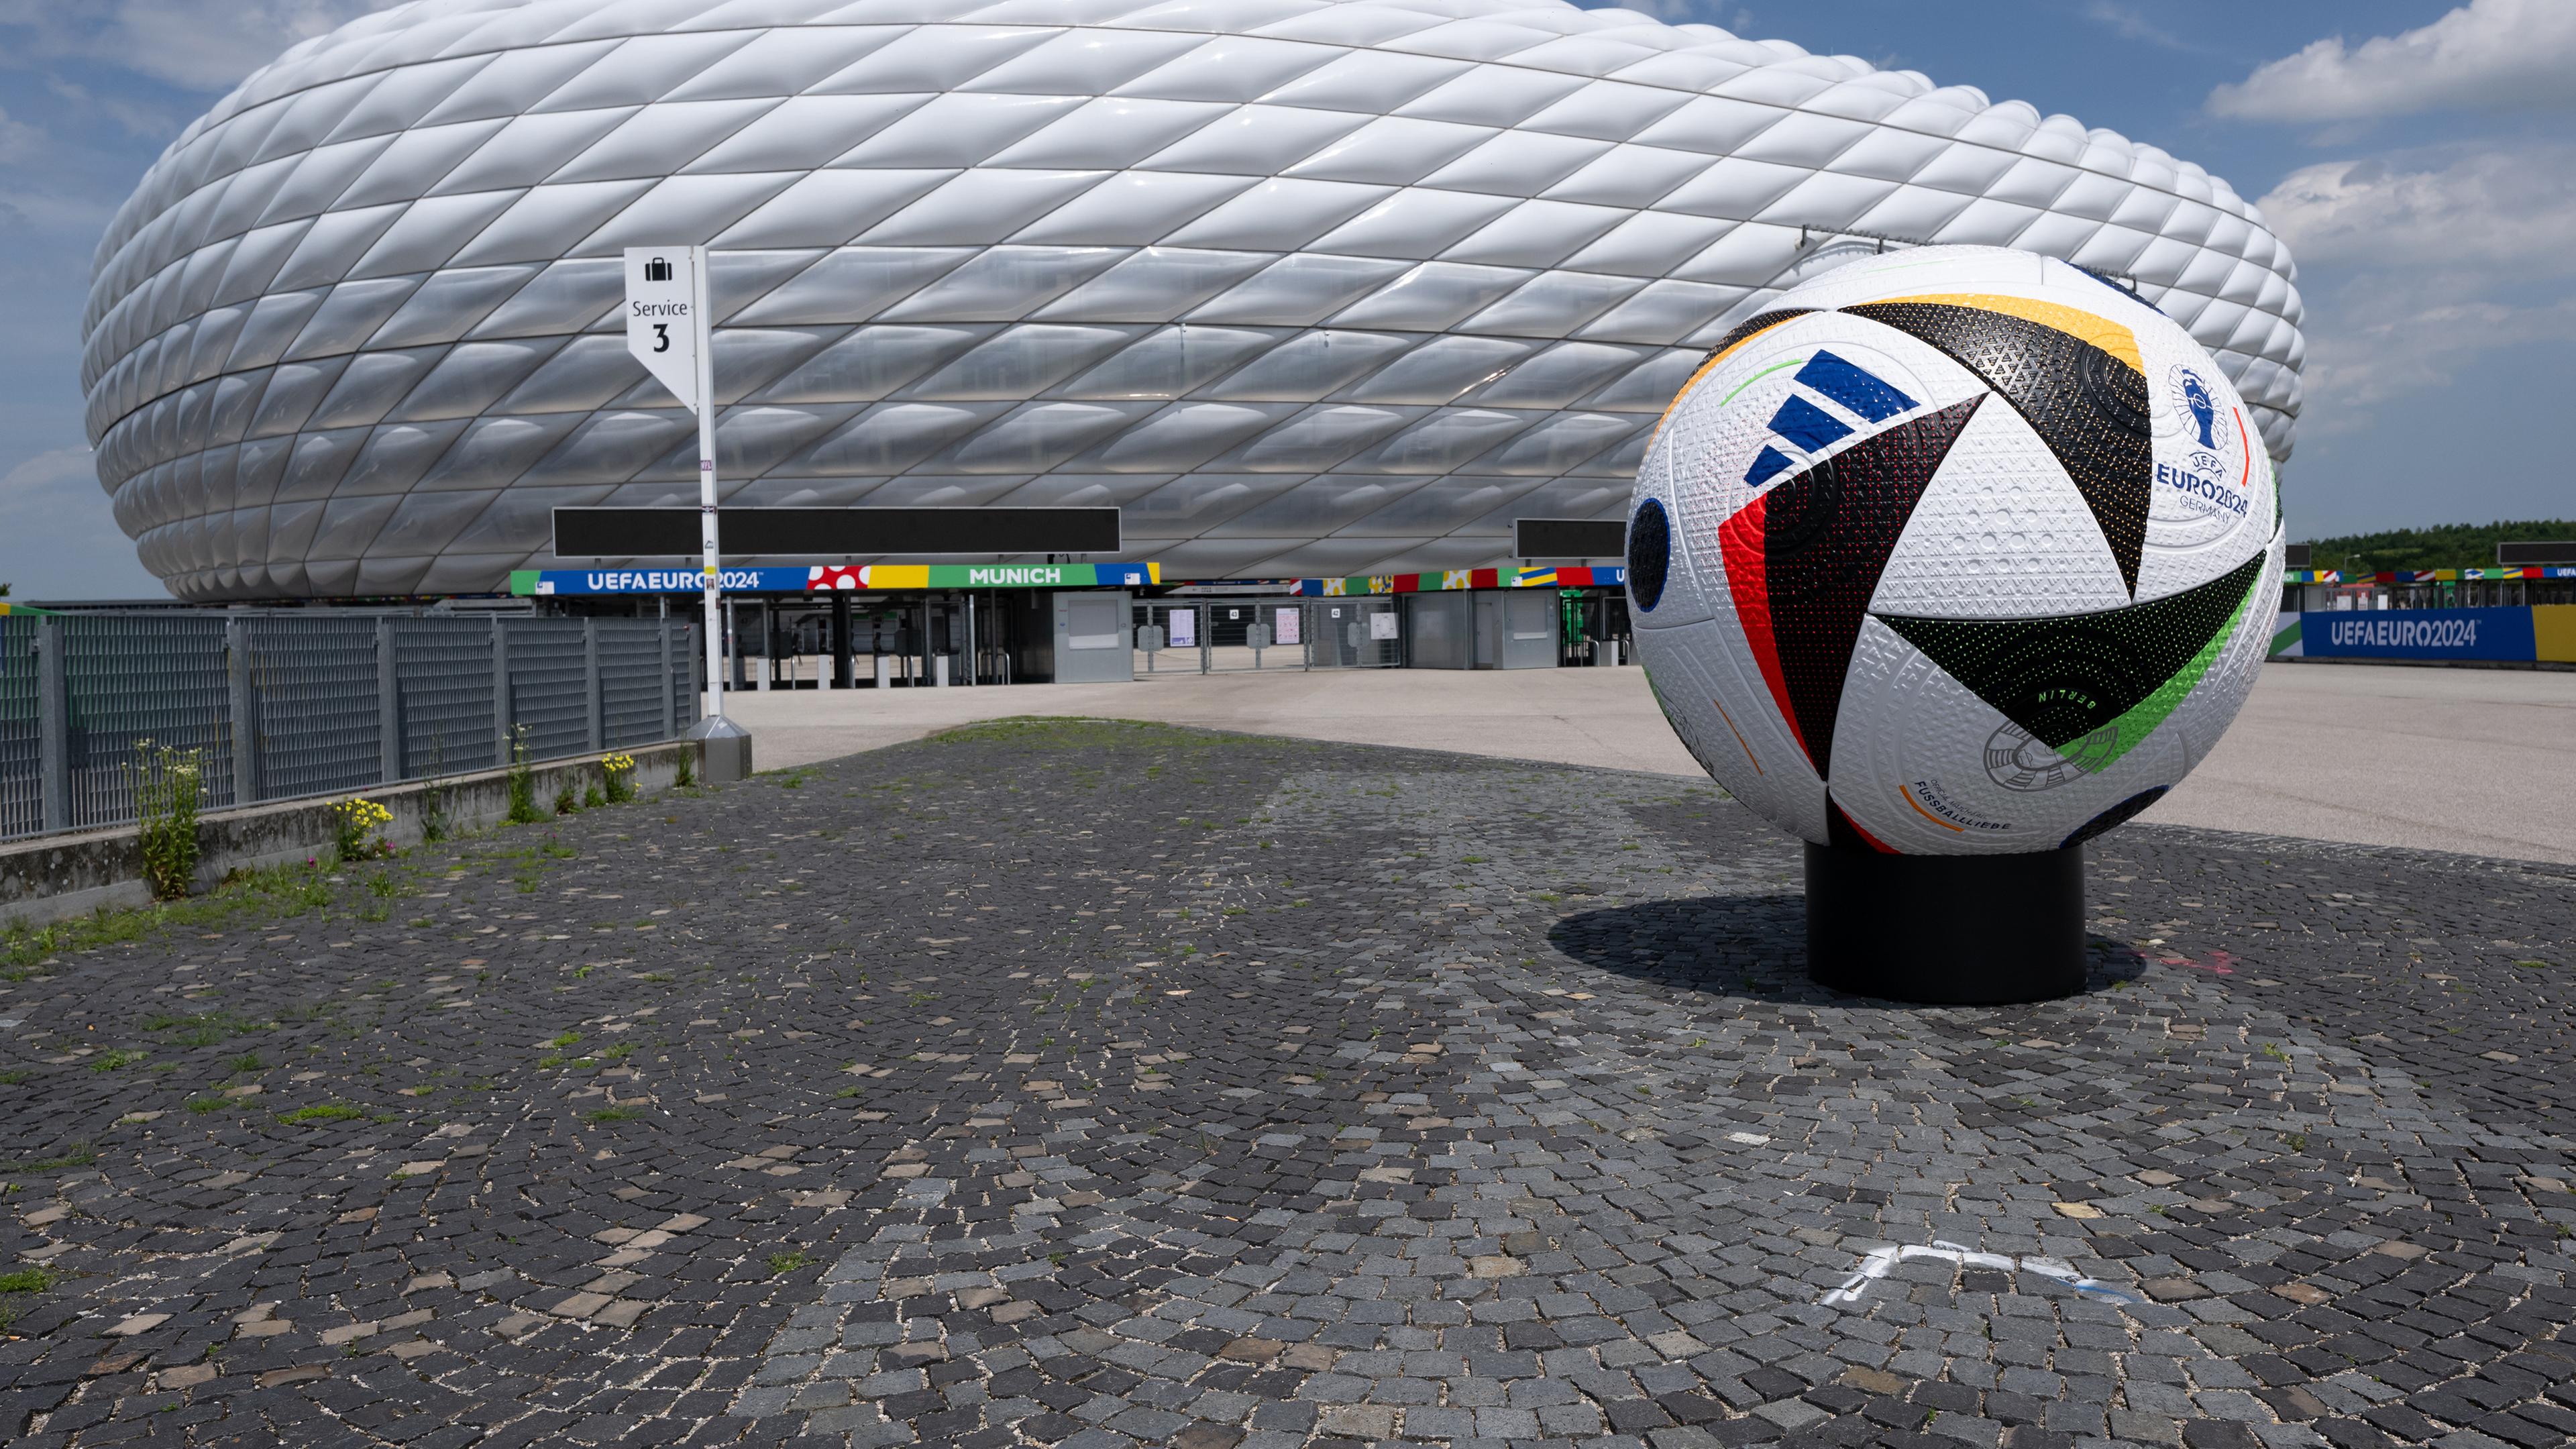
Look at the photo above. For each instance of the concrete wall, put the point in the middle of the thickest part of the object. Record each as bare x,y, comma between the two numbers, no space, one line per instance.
54,876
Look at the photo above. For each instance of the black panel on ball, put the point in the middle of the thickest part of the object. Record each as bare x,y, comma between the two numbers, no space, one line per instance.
1946,930
1650,549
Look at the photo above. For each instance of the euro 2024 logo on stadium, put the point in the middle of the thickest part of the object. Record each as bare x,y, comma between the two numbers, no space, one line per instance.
2206,483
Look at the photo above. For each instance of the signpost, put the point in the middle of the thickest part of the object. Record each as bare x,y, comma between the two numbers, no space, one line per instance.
668,330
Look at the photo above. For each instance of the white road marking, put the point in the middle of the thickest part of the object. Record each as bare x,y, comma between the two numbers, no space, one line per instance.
1879,1262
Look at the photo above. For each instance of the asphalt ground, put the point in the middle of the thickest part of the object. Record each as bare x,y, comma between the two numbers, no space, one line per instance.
1096,1085
2470,760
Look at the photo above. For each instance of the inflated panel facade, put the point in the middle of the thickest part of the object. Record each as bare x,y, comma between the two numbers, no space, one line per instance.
1305,287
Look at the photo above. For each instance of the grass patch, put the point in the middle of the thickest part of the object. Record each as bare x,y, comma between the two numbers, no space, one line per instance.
81,1155
110,1061
787,1262
276,893
612,1114
325,1112
204,1028
16,1077
18,1284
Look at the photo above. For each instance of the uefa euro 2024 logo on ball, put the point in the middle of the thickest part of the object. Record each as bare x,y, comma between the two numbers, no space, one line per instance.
1958,550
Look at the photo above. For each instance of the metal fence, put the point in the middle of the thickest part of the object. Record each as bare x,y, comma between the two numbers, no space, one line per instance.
286,703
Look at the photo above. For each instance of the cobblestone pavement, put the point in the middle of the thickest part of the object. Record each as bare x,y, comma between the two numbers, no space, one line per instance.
1097,1085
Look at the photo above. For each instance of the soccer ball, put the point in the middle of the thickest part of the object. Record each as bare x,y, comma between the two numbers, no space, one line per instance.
1954,551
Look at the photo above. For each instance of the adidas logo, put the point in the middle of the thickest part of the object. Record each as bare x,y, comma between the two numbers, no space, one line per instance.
1810,429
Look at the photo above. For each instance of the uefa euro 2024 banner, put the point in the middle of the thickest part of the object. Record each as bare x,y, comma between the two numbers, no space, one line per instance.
2497,634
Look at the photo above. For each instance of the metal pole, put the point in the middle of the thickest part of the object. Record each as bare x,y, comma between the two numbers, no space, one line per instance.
53,724
237,682
596,716
727,746
841,675
972,662
670,689
501,705
388,705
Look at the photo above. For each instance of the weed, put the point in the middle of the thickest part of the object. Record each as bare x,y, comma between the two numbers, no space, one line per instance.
16,1077
246,1062
523,780
687,774
565,1040
787,1262
354,823
612,1114
168,786
325,1112
565,802
112,1060
203,1105
591,799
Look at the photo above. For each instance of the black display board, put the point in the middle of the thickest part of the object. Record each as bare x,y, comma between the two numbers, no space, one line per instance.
834,532
1569,538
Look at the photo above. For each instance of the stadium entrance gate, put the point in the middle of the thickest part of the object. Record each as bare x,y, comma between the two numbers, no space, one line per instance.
1268,632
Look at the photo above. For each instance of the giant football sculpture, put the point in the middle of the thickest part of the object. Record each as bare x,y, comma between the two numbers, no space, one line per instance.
1946,563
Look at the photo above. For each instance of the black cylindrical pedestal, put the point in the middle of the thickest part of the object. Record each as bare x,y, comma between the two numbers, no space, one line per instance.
1948,930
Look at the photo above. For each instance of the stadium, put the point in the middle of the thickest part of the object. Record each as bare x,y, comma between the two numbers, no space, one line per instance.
1304,288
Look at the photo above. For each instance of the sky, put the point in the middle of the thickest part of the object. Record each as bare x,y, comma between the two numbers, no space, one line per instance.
2418,155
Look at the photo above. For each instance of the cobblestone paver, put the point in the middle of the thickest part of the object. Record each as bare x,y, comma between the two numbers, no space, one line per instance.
1095,1085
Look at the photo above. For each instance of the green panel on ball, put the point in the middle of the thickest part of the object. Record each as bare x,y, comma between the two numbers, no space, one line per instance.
2091,686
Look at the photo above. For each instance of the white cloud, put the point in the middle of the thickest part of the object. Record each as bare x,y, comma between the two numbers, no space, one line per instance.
2127,22
200,44
63,538
2486,55
2504,212
210,44
2439,257
2397,351
18,140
